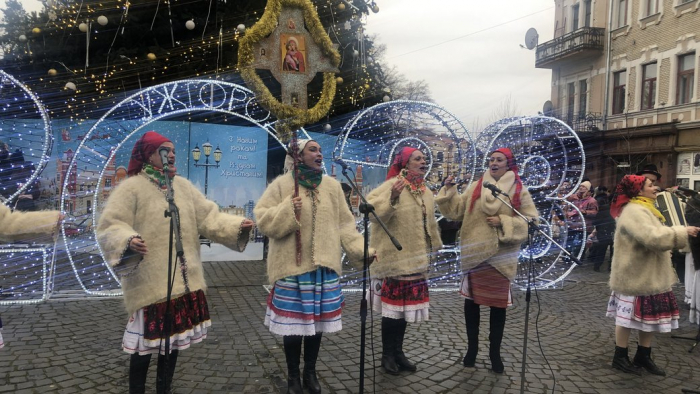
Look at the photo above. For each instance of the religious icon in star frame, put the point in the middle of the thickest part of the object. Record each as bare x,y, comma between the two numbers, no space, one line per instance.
295,100
293,50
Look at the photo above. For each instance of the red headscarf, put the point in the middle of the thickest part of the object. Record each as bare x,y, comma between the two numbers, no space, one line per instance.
147,145
518,183
400,161
628,188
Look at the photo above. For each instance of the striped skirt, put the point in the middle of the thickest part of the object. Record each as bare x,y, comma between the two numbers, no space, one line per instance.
403,297
305,304
656,313
486,286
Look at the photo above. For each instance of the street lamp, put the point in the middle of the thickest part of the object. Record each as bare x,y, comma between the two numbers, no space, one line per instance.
197,154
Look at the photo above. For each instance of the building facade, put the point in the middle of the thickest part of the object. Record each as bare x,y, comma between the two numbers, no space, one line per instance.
625,78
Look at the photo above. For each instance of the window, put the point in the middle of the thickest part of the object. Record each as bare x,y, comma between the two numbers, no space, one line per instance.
686,69
648,86
574,17
570,107
587,13
108,182
621,13
652,7
582,92
619,84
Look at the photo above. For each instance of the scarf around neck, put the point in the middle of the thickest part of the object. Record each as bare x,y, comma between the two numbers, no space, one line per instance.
308,177
648,203
415,182
155,175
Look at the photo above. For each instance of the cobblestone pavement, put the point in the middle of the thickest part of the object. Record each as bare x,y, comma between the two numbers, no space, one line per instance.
73,346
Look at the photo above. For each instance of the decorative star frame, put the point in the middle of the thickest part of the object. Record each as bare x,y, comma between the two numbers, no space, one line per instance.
265,47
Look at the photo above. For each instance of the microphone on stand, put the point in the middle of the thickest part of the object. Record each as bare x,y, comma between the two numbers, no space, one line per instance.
685,189
341,163
494,189
164,158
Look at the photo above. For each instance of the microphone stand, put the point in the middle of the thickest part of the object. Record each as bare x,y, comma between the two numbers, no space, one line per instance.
697,336
532,228
174,214
366,208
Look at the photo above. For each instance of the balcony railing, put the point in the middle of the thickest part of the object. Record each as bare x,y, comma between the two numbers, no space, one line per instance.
580,123
583,40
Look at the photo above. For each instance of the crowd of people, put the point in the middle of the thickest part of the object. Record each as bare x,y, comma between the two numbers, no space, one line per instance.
306,217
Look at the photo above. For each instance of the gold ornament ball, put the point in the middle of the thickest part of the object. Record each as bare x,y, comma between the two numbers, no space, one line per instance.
83,27
386,98
22,38
151,56
102,20
52,72
339,80
71,86
341,6
375,8
241,28
36,30
366,86
189,24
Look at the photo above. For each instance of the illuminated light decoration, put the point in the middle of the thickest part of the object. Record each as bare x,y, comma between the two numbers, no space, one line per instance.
94,155
548,152
19,110
372,136
25,280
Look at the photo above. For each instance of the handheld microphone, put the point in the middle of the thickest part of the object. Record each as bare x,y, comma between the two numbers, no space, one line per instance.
494,189
341,163
685,189
164,158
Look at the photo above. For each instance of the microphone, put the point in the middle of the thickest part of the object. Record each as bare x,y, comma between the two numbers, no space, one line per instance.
494,189
164,158
685,189
341,163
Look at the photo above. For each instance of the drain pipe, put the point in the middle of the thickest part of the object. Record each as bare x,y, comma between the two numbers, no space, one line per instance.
608,60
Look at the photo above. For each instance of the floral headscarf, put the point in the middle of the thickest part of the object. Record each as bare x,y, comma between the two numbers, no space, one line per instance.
512,167
628,188
147,145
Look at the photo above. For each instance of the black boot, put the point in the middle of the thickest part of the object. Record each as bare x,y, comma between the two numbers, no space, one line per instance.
138,371
389,346
622,362
472,317
292,352
312,345
166,374
401,360
497,324
643,359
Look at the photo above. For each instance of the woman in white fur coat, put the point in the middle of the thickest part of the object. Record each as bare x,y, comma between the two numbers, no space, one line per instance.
490,241
642,274
399,289
25,225
133,234
305,300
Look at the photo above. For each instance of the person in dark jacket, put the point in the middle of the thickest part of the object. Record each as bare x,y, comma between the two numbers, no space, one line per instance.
604,232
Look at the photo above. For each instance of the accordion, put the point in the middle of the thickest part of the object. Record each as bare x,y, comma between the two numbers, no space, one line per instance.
672,207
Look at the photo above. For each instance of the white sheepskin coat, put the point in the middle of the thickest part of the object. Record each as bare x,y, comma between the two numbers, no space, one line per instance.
478,241
641,264
404,220
322,235
15,226
136,207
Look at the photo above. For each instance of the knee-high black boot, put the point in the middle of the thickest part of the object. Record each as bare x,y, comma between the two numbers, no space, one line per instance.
498,323
166,374
472,318
312,345
138,371
292,352
389,346
401,360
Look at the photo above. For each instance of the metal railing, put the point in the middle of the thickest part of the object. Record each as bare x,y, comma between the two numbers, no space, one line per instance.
591,38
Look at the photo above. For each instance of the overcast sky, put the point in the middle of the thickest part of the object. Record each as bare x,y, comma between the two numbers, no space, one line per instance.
467,50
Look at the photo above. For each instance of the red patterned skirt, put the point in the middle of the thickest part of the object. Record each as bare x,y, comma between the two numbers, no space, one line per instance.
404,297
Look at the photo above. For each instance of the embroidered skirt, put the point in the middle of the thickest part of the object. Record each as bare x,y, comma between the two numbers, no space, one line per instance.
404,297
305,304
486,286
2,344
655,313
189,325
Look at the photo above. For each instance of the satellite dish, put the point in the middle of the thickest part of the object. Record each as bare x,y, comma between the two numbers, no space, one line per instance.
547,108
531,37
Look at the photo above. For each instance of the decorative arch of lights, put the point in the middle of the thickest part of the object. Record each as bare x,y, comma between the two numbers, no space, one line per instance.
548,153
372,137
25,127
19,110
173,99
